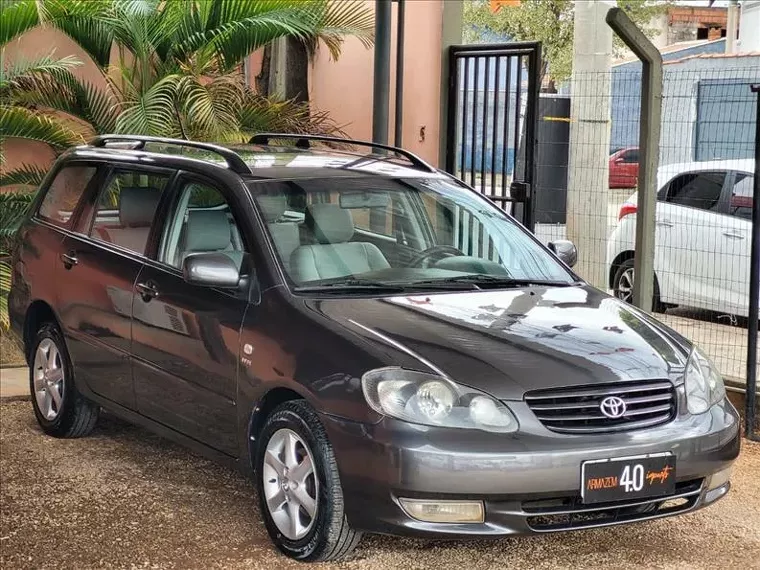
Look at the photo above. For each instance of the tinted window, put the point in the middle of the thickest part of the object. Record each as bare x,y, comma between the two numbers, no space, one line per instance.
741,196
631,156
697,190
126,208
201,222
440,232
64,193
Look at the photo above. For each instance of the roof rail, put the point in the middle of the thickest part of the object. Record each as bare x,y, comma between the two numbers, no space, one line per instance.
234,162
302,141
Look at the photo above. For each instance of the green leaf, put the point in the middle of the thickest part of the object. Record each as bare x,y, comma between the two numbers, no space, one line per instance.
16,122
17,17
22,68
153,112
24,175
85,22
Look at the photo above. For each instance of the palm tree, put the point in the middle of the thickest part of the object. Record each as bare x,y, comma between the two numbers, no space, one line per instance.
177,71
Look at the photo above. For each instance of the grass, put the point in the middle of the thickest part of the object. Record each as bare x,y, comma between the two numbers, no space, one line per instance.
10,355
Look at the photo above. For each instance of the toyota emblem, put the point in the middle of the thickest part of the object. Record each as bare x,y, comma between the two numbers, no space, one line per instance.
613,407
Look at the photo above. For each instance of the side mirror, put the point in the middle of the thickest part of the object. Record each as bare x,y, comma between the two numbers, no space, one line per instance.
565,250
211,270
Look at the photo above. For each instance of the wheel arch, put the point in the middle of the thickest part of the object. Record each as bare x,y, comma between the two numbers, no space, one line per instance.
264,407
39,312
616,263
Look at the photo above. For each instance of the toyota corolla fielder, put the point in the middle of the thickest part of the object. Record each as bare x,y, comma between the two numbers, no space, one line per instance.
380,347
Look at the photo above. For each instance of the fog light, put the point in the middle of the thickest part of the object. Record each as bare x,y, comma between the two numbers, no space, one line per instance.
717,493
719,478
444,511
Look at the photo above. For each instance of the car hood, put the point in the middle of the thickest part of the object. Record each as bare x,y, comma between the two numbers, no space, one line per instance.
508,342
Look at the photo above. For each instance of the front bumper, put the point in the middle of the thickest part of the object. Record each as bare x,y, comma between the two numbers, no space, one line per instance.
521,478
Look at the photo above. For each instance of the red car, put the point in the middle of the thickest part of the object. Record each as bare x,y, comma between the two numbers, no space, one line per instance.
624,168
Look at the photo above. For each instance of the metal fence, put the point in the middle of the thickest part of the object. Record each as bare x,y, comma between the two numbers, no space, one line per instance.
587,173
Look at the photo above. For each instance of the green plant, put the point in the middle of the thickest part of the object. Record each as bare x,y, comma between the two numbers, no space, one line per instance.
177,69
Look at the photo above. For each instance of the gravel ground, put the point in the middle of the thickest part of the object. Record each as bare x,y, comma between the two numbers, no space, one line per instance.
124,498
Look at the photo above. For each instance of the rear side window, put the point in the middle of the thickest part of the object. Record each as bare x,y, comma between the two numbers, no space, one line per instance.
631,156
126,207
697,190
64,194
741,196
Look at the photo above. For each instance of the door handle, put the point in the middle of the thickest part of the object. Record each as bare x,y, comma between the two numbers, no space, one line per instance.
664,223
147,291
733,235
69,260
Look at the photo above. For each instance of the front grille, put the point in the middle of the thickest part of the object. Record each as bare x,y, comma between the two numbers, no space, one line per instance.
578,409
569,513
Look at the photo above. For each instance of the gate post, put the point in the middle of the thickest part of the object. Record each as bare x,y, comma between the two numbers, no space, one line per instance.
649,152
754,288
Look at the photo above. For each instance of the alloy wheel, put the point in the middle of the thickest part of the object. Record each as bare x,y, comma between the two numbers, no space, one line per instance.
290,484
49,379
624,289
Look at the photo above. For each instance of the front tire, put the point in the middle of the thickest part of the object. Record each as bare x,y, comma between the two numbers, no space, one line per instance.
622,286
60,409
299,489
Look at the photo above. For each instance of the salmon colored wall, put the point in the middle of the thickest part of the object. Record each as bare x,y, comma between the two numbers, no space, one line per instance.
344,88
40,42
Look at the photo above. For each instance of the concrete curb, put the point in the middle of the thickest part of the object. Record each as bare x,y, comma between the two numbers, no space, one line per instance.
11,399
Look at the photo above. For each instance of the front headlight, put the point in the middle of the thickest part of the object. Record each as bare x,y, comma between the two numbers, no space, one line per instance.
431,400
703,383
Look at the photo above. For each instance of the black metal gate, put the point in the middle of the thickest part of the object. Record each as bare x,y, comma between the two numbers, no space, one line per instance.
492,118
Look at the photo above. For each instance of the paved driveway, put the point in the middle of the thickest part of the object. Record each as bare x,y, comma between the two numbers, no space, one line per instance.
124,498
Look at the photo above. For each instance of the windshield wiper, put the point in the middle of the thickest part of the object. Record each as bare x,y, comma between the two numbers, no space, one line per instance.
491,281
352,285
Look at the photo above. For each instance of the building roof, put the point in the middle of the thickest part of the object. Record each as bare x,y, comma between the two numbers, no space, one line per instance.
672,49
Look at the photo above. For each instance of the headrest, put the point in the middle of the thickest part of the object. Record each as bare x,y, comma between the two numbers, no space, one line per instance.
137,205
272,207
330,223
207,230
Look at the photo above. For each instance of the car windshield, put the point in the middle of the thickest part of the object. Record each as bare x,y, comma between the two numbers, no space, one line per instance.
375,233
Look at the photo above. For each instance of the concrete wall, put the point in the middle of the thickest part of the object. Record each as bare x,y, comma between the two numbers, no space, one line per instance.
749,26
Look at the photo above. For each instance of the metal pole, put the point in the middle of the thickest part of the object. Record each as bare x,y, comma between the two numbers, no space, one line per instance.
398,129
649,152
754,287
382,71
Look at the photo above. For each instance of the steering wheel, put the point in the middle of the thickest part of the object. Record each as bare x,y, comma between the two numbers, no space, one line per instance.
433,254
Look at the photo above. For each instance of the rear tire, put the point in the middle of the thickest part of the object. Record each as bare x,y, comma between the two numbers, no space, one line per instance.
622,286
60,409
292,437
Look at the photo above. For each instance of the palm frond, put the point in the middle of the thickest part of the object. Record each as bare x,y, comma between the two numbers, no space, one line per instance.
339,19
85,22
21,68
17,17
24,175
5,289
263,114
153,112
17,122
210,109
236,29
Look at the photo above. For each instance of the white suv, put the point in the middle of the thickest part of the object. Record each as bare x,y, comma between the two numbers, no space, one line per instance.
703,237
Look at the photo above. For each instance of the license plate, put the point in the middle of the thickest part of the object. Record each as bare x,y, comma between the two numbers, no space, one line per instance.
628,478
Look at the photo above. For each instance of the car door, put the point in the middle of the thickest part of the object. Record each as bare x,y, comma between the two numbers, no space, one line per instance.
688,225
102,260
186,337
734,244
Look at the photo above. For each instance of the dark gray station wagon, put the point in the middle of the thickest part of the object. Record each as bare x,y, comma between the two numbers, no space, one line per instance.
380,347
